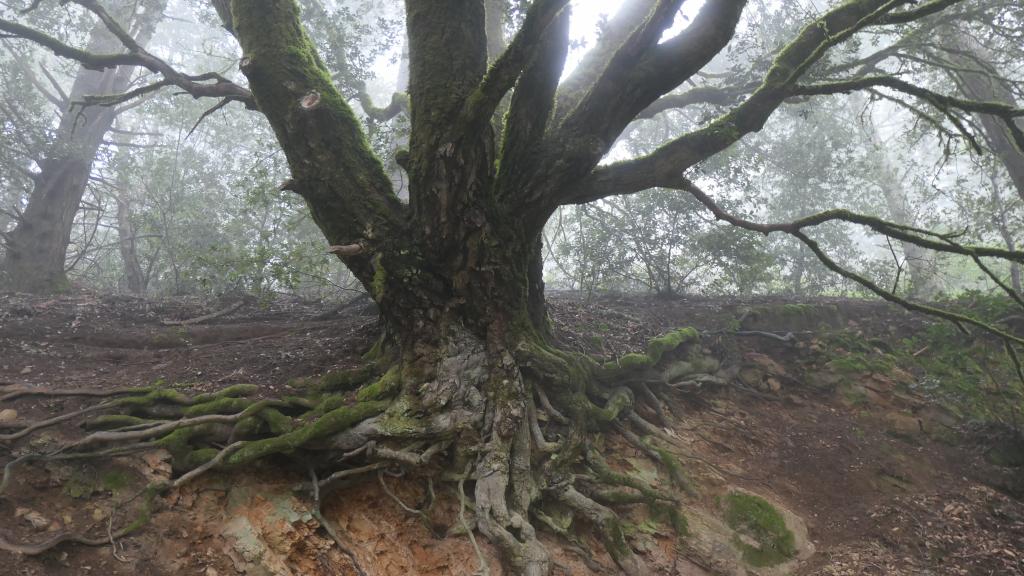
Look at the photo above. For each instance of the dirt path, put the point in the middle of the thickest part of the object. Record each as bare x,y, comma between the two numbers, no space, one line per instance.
878,495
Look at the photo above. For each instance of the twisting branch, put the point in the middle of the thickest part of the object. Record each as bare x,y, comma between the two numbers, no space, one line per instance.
699,95
941,101
796,230
664,166
204,85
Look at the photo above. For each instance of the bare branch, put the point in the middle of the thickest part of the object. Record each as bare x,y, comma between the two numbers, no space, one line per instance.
198,86
796,230
664,166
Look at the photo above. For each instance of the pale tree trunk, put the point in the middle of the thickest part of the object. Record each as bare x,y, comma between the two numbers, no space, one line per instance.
987,86
999,210
37,247
919,262
135,278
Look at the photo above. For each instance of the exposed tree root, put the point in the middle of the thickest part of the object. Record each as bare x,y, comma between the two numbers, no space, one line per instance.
522,423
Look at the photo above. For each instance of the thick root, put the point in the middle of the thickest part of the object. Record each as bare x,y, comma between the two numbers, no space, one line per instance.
522,420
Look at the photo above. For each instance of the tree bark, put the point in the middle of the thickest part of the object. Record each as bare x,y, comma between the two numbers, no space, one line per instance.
134,277
37,247
986,86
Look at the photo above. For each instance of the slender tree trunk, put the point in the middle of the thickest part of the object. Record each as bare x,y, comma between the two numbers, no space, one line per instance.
135,278
999,209
920,262
37,247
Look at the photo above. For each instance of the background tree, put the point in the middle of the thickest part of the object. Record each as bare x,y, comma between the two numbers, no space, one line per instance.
37,247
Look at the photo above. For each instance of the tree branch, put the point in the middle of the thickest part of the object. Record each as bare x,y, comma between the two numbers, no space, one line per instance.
796,230
664,166
527,46
332,165
196,86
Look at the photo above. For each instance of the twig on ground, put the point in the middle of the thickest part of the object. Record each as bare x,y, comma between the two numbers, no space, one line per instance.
204,318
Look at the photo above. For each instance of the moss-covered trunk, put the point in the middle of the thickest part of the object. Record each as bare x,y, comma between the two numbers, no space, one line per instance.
457,272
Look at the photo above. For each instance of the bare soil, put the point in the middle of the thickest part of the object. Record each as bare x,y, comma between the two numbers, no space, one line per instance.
886,485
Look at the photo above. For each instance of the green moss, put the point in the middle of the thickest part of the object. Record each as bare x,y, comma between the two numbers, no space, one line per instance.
756,518
79,486
114,480
344,380
197,458
668,514
218,406
247,427
276,421
676,473
857,363
154,397
398,419
677,370
233,391
621,399
657,347
385,386
635,361
380,279
331,423
328,403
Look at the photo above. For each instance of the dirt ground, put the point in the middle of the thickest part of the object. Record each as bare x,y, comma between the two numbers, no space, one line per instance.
890,485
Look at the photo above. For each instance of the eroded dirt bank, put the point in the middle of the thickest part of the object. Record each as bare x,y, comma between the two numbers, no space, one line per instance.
873,472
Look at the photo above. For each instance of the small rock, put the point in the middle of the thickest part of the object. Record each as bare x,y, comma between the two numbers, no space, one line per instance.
26,370
8,415
37,520
210,571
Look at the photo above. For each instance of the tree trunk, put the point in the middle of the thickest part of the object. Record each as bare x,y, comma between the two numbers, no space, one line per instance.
920,262
135,278
999,209
986,86
37,247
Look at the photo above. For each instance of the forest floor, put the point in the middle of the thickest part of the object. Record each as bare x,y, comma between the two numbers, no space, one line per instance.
886,479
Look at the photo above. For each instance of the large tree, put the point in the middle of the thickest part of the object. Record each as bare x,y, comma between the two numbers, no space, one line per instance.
468,361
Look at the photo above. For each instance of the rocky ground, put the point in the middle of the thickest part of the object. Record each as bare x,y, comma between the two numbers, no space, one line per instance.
871,474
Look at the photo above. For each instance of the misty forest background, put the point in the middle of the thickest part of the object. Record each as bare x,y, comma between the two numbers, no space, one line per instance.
181,202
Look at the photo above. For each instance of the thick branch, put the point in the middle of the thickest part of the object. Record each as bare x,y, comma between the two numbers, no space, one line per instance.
630,15
700,95
531,107
332,165
528,45
651,69
664,167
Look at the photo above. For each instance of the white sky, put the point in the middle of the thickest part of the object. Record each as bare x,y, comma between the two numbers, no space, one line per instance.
587,13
